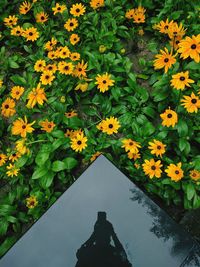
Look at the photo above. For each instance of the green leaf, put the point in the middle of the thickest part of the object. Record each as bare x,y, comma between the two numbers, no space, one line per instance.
182,128
190,191
70,163
18,80
13,64
39,172
41,158
47,179
58,166
182,144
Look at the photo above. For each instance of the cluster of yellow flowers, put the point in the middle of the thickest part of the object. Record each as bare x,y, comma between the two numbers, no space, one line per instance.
136,14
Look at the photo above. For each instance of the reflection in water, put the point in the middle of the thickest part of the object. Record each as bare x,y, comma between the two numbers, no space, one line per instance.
103,248
161,226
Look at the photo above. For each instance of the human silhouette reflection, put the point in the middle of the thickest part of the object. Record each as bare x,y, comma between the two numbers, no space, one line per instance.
103,248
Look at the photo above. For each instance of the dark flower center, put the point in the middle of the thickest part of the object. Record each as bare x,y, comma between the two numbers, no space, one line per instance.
166,60
6,106
64,53
79,69
79,142
10,21
18,32
42,18
30,33
182,78
69,114
47,77
66,67
177,42
0,158
77,10
71,24
49,125
131,143
193,46
194,101
59,8
104,81
26,8
177,172
24,127
110,126
169,116
166,27
40,65
194,175
174,33
50,67
13,154
153,168
17,93
159,147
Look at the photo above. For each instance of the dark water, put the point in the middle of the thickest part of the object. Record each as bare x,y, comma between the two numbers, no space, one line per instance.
103,220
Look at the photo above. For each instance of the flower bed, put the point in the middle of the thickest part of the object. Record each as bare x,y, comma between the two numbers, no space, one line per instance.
70,92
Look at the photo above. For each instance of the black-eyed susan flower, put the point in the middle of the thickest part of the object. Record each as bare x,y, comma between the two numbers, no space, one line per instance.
74,56
180,80
191,103
71,114
31,202
10,21
24,7
36,96
39,65
157,148
47,77
31,34
174,42
17,92
131,145
152,168
195,175
69,133
95,4
8,108
129,13
79,142
163,26
14,156
65,67
3,159
139,16
17,31
169,118
74,38
59,8
190,47
52,55
175,172
41,17
133,156
47,125
71,24
63,52
21,147
12,170
104,82
164,60
110,125
22,127
176,30
50,67
80,69
50,44
77,10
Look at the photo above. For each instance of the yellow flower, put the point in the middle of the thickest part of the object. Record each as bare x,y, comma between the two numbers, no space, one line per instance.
47,77
3,159
69,133
176,31
131,145
59,8
50,44
31,202
152,168
71,24
47,126
11,21
41,17
141,32
163,26
164,60
63,52
157,148
190,47
79,142
129,13
195,175
80,69
21,147
71,114
52,54
74,39
103,82
22,127
24,7
74,56
83,86
175,172
8,108
133,156
95,4
39,65
36,96
12,170
31,34
77,10
169,118
175,42
16,31
138,18
95,156
17,91
50,67
1,83
14,156
191,103
180,80
65,67
102,48
110,125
